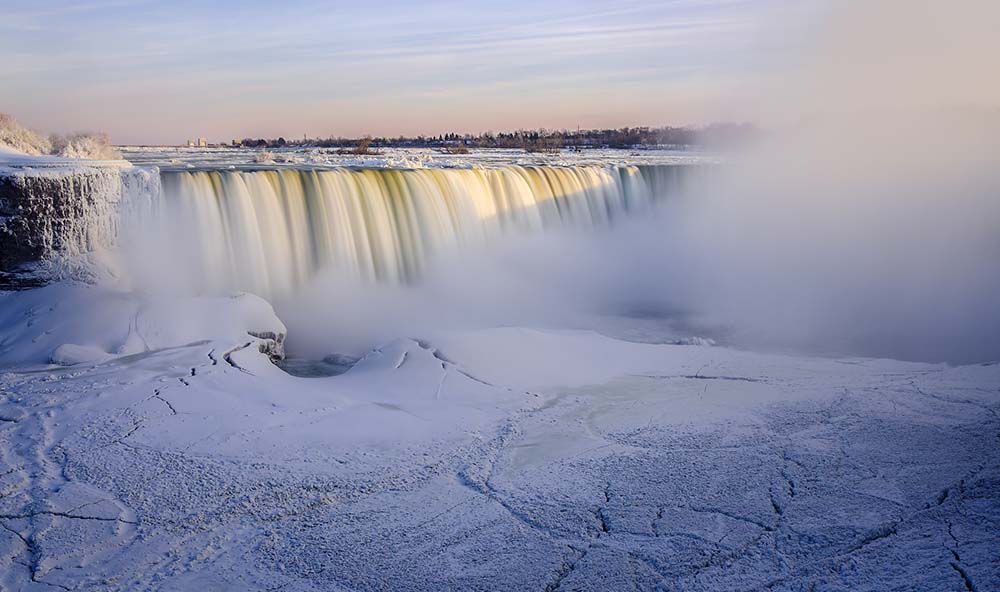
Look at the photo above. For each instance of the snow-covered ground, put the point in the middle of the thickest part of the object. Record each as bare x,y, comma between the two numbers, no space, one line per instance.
166,452
13,161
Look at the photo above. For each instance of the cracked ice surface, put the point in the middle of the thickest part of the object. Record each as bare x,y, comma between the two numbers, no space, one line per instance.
508,459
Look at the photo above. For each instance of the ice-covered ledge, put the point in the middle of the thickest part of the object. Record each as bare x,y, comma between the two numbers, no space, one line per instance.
55,209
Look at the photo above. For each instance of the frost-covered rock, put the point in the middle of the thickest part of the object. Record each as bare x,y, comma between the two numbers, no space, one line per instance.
50,215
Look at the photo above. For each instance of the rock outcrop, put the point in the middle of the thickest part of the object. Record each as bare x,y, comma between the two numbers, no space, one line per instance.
50,215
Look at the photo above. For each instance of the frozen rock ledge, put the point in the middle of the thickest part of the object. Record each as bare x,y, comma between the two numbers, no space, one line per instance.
53,210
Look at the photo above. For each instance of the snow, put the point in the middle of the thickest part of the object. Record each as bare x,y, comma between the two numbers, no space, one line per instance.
12,161
169,158
60,321
18,140
172,454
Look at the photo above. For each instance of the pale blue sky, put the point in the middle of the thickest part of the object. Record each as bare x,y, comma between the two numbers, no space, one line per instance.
161,72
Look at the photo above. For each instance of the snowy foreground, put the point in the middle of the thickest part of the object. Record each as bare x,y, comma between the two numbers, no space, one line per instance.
171,454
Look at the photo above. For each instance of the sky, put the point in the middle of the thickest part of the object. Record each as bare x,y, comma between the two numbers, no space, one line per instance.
156,72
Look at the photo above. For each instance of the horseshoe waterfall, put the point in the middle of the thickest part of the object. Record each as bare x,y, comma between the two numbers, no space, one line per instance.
268,231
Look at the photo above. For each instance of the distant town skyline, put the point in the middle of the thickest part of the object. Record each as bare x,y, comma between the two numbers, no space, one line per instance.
162,73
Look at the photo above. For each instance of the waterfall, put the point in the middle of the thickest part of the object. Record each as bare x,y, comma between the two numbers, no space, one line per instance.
269,231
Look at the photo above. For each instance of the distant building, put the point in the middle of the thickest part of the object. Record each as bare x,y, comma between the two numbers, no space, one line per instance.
202,143
190,144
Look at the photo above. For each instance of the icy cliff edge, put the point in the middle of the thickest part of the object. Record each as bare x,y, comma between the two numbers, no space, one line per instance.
53,211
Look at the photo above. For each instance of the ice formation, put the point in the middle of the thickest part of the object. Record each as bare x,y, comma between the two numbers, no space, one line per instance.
53,211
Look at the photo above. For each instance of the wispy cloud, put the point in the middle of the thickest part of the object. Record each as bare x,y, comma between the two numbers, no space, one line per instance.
191,64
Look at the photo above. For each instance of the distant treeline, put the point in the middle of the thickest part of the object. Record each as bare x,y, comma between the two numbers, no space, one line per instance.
541,140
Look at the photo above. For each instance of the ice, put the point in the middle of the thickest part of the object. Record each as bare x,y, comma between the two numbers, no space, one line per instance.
400,158
174,455
58,215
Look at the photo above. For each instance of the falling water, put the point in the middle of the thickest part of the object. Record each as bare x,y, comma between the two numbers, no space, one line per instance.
269,231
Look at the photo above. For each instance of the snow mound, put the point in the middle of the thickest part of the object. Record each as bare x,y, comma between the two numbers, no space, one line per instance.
69,354
72,323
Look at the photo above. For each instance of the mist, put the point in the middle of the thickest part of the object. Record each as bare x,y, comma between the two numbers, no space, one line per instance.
551,280
874,244
866,222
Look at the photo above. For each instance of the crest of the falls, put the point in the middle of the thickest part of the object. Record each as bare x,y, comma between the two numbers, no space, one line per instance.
269,231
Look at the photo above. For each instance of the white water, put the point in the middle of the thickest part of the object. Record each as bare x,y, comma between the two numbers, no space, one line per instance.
268,232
